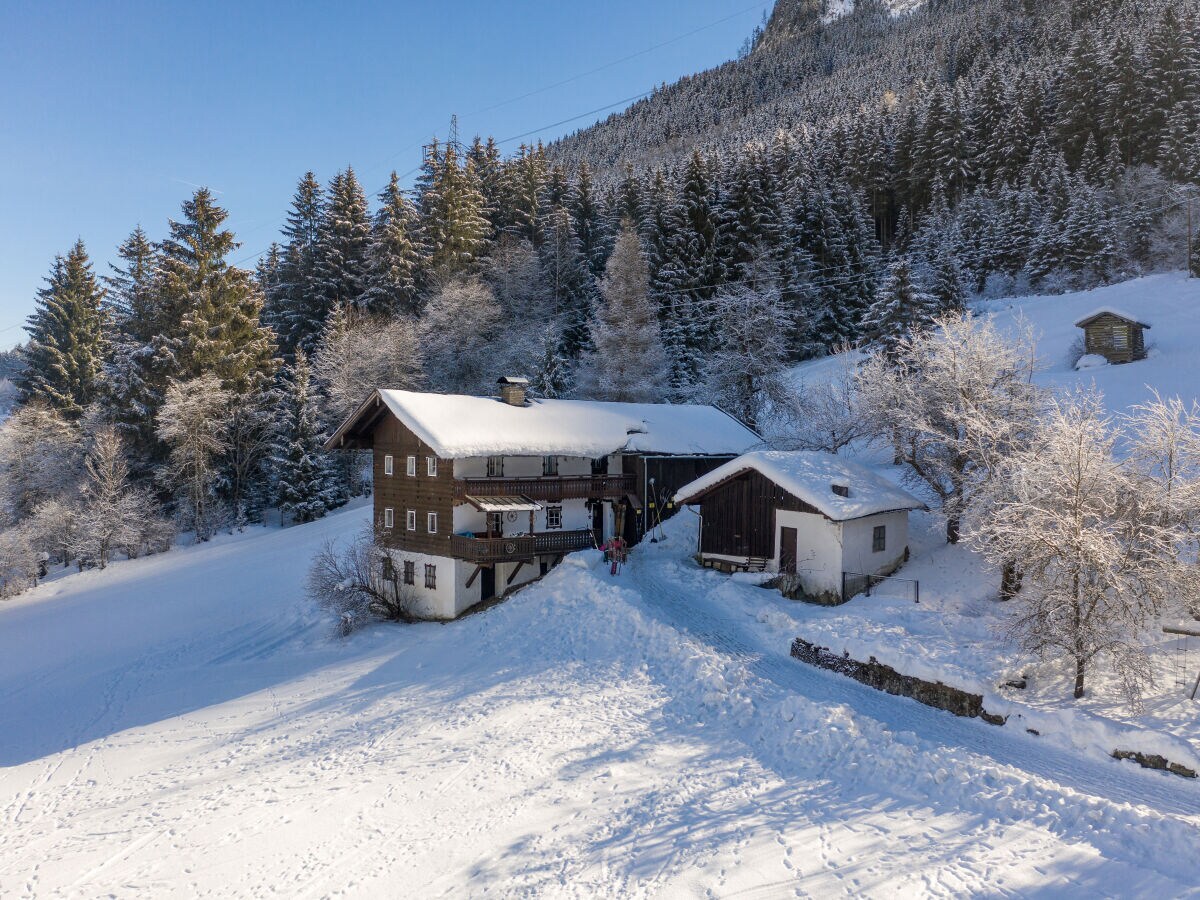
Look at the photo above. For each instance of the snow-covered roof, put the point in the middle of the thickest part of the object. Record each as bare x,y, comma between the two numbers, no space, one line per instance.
456,426
1109,311
811,476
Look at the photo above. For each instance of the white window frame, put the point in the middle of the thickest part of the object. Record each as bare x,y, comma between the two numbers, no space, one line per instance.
431,523
556,511
495,466
389,464
410,520
549,466
389,517
431,466
412,467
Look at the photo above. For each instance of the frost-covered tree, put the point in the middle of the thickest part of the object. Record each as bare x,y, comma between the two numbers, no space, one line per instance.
1097,560
550,373
459,338
41,454
297,309
67,346
303,487
193,423
358,354
957,399
627,361
742,373
113,514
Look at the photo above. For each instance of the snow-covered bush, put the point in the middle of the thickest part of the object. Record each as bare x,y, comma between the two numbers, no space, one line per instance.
192,423
18,562
356,583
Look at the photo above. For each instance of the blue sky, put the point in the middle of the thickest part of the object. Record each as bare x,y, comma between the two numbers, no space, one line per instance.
111,112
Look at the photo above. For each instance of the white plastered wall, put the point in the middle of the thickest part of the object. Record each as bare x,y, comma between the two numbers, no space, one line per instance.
857,535
445,601
818,551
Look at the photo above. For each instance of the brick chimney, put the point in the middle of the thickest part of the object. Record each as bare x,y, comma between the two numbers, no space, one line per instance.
512,389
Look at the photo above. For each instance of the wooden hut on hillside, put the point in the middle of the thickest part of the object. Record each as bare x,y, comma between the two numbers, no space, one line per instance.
1115,335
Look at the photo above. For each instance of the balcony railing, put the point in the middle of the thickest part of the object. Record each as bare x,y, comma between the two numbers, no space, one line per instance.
481,550
550,487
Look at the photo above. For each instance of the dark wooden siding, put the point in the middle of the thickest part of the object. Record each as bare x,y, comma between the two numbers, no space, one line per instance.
1117,340
739,516
401,492
670,473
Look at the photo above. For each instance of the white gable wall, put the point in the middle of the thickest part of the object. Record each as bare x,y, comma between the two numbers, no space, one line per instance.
819,550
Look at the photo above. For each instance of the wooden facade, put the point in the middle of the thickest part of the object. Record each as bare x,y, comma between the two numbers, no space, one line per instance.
422,492
650,502
1115,337
738,516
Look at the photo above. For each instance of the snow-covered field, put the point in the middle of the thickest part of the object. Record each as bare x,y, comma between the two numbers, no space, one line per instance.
187,725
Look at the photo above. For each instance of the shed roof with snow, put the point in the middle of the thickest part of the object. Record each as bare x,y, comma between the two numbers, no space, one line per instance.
839,489
1103,311
457,426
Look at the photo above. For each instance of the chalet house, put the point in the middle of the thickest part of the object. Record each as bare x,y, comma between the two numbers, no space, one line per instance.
1115,335
811,515
475,496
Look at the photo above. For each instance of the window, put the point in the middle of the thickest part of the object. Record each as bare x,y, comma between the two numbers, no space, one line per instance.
430,576
431,466
431,523
496,524
389,568
411,523
879,539
388,517
410,572
388,465
554,517
549,465
412,467
842,490
495,466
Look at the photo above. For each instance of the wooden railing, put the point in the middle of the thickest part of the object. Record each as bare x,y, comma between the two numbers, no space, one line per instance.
550,487
510,549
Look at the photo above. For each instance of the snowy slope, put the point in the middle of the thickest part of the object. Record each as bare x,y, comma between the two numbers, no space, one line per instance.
185,725
952,636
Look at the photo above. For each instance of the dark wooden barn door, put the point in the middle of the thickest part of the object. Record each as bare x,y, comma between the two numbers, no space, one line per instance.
787,550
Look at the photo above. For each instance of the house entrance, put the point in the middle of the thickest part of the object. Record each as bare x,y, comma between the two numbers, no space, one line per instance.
487,583
787,550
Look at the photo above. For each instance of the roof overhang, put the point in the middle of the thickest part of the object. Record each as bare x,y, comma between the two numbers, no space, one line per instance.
1100,313
503,504
357,432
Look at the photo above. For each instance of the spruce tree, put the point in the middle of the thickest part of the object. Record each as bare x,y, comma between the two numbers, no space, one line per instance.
303,489
395,259
66,349
340,270
131,298
900,308
453,221
298,309
569,283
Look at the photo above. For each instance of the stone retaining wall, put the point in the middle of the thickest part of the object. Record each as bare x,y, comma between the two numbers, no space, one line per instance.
884,678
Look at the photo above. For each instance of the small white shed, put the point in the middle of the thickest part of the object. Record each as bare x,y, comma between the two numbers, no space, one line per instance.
808,514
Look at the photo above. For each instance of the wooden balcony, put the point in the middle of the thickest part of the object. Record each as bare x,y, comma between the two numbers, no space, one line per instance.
550,487
483,550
